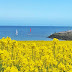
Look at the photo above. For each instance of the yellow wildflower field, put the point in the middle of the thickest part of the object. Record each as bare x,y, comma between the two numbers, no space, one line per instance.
35,56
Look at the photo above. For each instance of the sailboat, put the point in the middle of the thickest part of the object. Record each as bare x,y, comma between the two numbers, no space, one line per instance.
30,32
16,32
30,29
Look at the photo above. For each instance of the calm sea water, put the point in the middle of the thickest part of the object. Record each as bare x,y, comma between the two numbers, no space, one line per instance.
37,32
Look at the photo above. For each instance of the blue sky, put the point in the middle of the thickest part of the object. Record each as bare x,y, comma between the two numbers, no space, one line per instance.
36,12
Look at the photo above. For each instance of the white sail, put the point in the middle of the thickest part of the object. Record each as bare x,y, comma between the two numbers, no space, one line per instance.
16,32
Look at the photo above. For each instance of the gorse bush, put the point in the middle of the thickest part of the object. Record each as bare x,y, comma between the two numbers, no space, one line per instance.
35,56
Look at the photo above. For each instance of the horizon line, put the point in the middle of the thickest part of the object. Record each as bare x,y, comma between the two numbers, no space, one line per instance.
31,25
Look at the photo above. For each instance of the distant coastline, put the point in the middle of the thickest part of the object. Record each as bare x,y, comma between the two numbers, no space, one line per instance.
65,35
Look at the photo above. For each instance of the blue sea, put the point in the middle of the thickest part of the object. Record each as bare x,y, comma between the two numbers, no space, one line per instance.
37,32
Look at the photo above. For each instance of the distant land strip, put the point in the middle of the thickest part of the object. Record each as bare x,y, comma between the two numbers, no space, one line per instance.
65,35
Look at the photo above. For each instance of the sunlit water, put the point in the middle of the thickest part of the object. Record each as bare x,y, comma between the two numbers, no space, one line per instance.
37,32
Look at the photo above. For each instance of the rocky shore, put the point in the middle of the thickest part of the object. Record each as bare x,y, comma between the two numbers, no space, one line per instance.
66,35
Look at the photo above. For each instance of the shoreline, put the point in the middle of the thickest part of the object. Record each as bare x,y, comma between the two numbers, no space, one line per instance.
65,35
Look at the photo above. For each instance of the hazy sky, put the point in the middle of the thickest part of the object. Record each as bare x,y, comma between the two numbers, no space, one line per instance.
36,12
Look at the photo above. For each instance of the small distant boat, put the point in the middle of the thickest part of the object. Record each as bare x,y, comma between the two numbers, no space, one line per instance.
16,32
30,31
